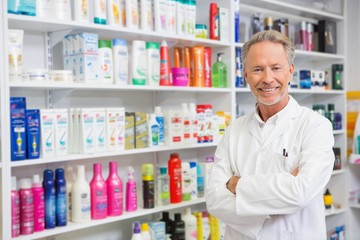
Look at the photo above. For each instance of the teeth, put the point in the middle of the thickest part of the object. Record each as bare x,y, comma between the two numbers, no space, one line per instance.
268,89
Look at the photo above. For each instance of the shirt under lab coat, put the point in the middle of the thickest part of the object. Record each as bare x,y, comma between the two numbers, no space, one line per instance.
270,203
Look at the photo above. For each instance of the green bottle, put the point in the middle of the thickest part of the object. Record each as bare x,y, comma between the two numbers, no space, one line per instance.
219,73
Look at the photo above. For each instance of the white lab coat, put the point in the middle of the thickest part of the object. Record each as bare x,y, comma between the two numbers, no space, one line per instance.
270,203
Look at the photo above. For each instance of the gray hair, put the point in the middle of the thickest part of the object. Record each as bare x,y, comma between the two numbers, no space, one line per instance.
270,36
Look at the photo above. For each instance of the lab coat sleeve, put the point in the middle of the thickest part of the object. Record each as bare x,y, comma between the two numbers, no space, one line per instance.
220,202
283,193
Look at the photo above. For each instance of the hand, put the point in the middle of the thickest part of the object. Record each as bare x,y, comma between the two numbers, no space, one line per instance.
231,184
296,171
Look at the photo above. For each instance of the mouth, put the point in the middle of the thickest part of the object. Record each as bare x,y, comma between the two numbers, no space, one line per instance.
268,90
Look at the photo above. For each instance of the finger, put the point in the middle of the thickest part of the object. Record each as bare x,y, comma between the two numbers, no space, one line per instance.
295,172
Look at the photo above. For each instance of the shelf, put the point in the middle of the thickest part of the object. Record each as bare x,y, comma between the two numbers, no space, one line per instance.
127,215
338,132
300,91
112,87
74,157
316,56
337,172
334,212
293,9
356,206
45,25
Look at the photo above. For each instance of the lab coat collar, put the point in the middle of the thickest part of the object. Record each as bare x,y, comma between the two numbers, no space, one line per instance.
282,121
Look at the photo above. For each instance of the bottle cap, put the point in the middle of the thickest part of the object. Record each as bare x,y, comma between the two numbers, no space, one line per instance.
152,45
331,107
174,155
130,172
13,184
147,170
177,216
119,42
59,173
165,215
200,169
163,170
157,110
144,227
36,180
164,44
104,44
25,183
48,174
137,227
209,159
192,164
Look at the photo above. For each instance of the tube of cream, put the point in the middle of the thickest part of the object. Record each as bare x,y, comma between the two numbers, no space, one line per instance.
15,44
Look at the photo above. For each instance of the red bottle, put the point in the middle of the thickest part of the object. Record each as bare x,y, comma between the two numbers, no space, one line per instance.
114,191
174,165
214,21
165,76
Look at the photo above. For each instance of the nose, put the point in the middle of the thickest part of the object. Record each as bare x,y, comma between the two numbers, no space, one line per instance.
268,77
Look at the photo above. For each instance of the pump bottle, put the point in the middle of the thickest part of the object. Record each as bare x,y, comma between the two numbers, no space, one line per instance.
219,73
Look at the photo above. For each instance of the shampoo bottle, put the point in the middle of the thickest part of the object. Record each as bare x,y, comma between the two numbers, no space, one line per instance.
186,181
15,209
165,77
219,73
60,191
148,185
99,11
168,222
174,166
153,63
80,198
200,180
121,58
39,204
131,192
26,207
115,191
138,64
136,231
145,234
69,178
159,116
81,11
190,225
106,61
178,228
98,190
113,13
163,188
153,131
49,193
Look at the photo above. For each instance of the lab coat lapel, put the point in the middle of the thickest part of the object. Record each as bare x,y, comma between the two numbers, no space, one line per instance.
280,128
254,129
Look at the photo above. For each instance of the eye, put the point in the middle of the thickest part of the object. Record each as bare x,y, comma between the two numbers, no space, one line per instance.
276,68
256,70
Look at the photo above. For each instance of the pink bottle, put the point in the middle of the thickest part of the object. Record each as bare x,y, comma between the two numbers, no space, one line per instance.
26,207
131,192
15,209
98,191
39,204
115,191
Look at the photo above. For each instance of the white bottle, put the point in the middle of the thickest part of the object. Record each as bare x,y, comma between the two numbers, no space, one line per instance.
132,14
136,231
145,234
186,181
146,15
153,63
153,131
69,177
99,12
159,116
180,18
171,16
80,198
44,8
190,225
106,61
121,61
138,63
186,124
194,123
160,9
62,9
114,13
81,11
190,19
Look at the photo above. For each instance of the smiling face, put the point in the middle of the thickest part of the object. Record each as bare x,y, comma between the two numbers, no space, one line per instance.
268,73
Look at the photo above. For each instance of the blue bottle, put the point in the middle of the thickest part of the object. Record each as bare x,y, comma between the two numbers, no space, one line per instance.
60,193
49,193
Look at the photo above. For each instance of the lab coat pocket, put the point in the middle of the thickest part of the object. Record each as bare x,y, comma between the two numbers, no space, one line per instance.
288,162
304,235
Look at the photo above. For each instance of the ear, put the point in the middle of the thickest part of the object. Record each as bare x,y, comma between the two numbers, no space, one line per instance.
245,75
291,70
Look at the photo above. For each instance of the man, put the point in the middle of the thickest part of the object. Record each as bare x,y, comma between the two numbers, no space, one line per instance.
271,167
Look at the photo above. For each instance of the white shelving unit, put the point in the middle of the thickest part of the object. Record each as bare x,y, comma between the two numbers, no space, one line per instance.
43,36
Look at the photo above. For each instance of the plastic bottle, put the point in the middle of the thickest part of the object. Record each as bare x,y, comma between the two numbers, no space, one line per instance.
28,7
132,14
15,209
219,73
80,198
26,207
145,234
114,191
136,232
120,63
178,228
186,123
98,191
106,61
174,166
49,193
139,65
153,131
39,204
186,181
214,22
214,227
148,185
99,11
194,123
60,193
328,200
63,10
146,15
43,8
193,183
163,187
165,78
69,177
168,222
153,63
159,116
199,224
114,13
131,192
81,11
13,6
190,225
200,179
